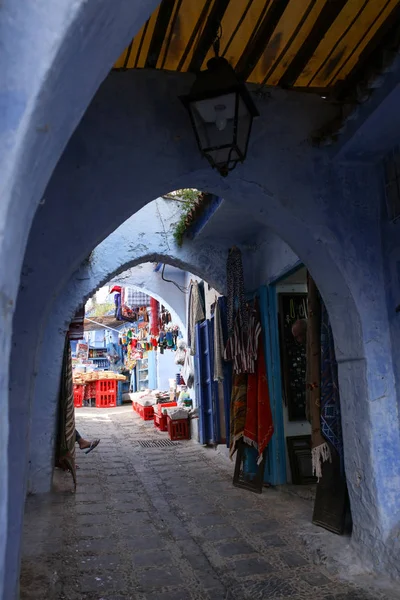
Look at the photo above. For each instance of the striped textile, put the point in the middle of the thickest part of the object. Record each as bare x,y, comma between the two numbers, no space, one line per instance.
242,346
65,448
76,328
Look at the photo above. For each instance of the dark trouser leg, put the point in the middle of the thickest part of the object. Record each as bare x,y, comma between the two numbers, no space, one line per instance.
77,436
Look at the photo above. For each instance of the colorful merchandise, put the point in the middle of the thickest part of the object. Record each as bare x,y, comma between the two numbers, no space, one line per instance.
242,346
155,317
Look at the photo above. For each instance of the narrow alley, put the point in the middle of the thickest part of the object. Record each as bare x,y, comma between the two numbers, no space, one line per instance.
151,521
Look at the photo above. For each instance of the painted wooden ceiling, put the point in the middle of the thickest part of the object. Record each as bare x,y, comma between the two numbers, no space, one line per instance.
316,45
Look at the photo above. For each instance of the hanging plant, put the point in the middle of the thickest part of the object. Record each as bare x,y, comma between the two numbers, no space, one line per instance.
191,199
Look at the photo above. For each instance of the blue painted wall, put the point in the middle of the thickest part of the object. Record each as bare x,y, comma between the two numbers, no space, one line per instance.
323,213
135,144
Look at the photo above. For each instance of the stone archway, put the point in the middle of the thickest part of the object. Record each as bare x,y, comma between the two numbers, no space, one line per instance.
136,144
110,258
295,210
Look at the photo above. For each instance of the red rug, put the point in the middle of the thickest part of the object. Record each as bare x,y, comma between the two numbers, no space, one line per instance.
259,426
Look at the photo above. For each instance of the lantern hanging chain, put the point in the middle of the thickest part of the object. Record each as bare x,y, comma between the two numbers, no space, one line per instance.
217,40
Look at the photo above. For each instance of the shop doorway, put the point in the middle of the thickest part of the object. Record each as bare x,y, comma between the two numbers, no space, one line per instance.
290,458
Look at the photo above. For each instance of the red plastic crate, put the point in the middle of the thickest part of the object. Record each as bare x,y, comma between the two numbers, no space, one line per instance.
145,412
160,407
79,391
178,429
160,421
106,393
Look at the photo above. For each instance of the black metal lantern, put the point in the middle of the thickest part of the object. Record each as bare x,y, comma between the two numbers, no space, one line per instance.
222,112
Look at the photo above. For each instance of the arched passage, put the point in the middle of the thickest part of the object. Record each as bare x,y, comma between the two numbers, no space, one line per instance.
315,237
103,265
138,143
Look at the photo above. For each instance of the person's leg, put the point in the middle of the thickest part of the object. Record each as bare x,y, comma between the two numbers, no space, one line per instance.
82,443
85,444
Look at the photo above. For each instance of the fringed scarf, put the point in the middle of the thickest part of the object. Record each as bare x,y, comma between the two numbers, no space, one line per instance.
65,449
320,449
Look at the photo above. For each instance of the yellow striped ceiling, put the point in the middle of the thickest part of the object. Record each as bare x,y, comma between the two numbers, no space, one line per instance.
313,44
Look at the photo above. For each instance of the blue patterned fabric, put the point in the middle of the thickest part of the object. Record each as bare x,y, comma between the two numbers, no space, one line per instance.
331,423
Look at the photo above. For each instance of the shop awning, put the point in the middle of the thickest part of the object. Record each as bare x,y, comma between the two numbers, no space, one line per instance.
313,45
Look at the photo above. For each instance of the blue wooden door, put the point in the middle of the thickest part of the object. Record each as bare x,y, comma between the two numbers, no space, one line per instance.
204,384
214,386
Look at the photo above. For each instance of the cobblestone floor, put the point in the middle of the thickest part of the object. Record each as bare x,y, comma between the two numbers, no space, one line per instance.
164,524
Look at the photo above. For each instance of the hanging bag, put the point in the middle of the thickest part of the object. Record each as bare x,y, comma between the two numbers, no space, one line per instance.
187,371
180,353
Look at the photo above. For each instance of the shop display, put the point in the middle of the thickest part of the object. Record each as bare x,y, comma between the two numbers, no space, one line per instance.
126,353
82,351
293,307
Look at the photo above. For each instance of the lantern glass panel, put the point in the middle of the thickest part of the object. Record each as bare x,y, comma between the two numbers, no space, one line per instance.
244,122
214,120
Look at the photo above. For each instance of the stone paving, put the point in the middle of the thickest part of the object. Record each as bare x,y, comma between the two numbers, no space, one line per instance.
164,524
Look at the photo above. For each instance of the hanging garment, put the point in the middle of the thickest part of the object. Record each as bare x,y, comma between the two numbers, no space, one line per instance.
320,449
190,329
118,309
155,317
242,346
259,426
331,422
196,314
218,344
235,286
65,447
238,411
187,371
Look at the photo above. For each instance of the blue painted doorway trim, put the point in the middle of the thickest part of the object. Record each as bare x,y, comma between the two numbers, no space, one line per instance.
275,469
